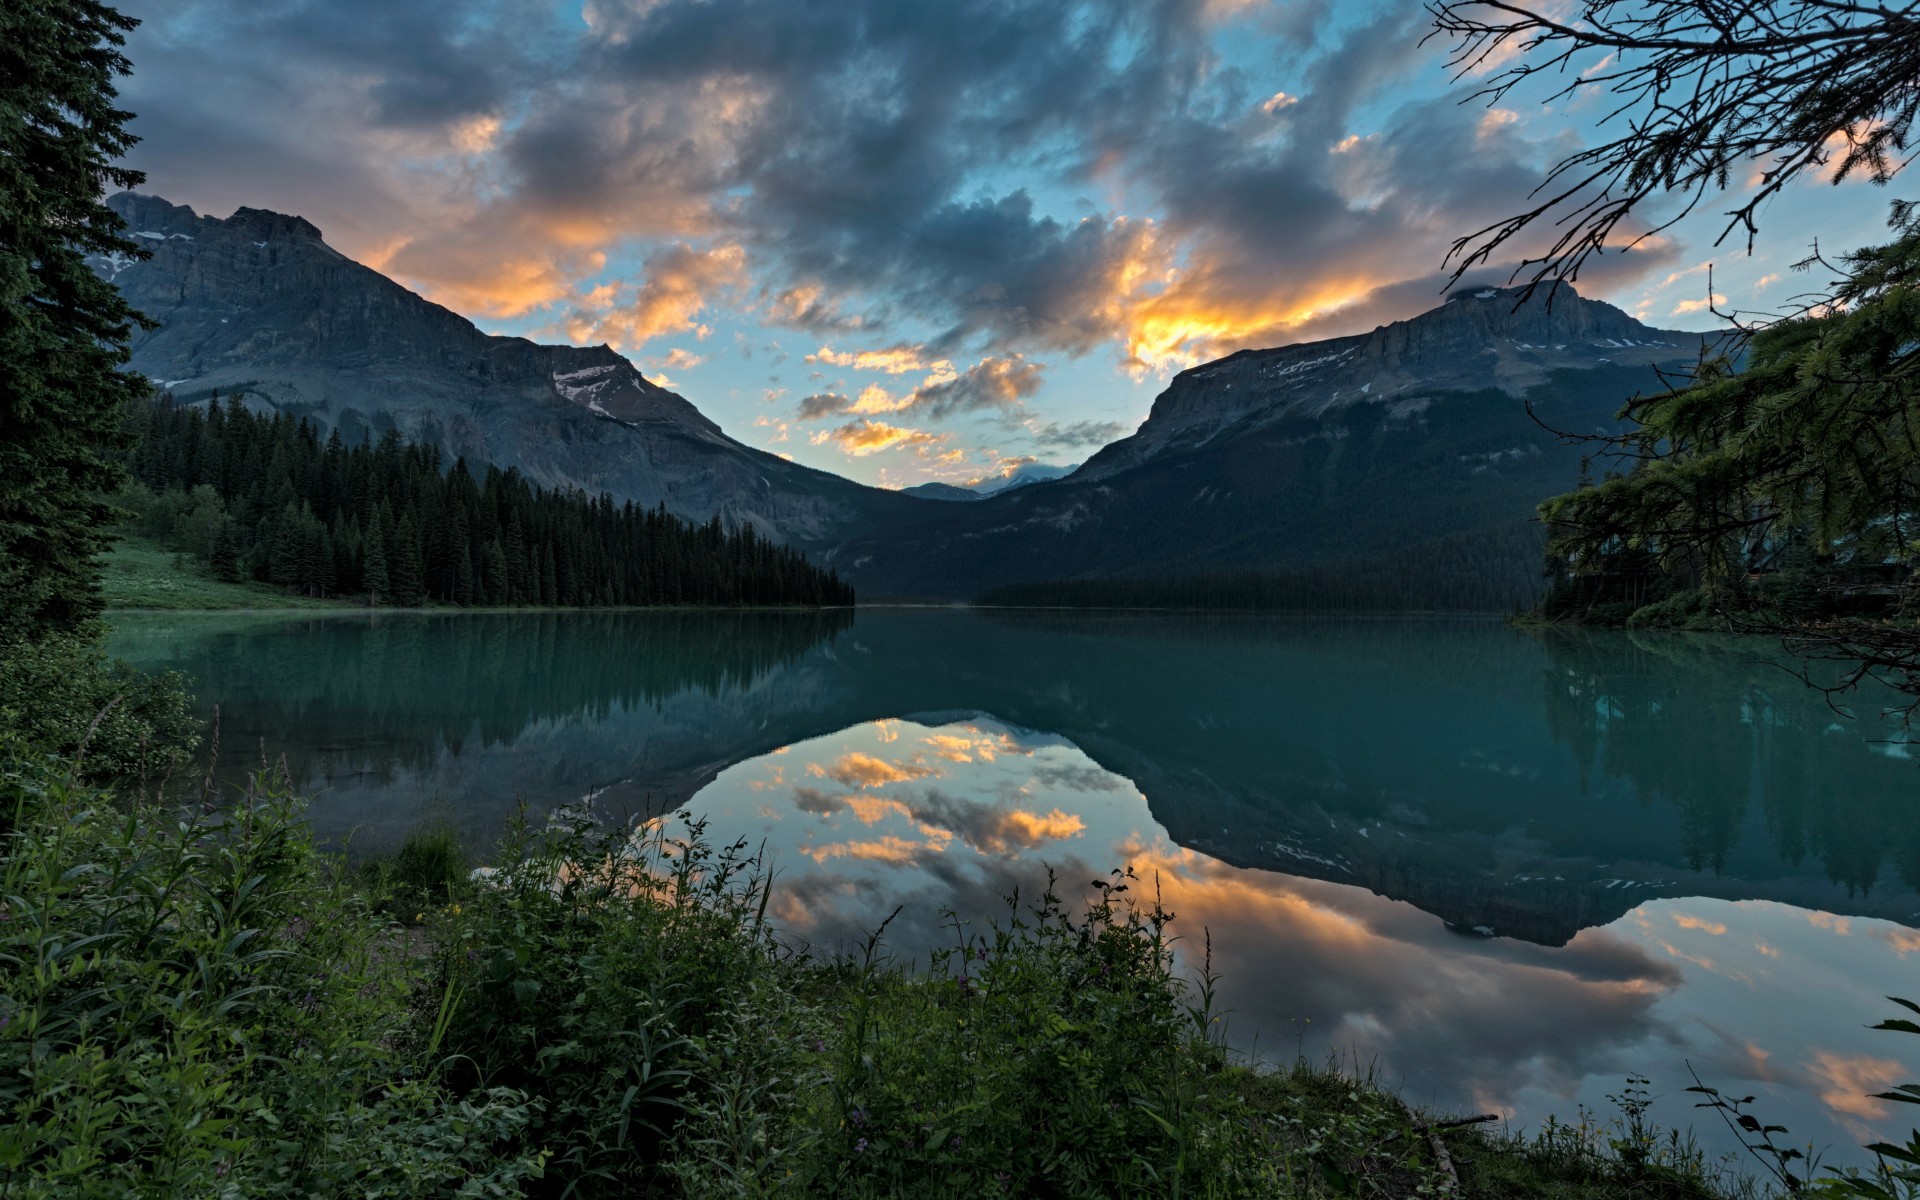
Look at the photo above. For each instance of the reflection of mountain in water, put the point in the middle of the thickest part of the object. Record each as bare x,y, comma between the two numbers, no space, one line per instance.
1531,786
378,716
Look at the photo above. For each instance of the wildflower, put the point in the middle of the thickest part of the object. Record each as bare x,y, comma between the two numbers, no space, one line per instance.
858,1117
819,1046
860,1147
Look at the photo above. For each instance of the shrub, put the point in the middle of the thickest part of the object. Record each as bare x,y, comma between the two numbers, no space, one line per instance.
428,869
1052,1055
193,1003
590,965
1682,610
63,695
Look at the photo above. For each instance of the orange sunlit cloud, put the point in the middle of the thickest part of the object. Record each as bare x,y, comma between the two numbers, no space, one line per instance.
1903,940
1716,300
1184,326
866,436
1685,921
893,851
1033,828
681,281
974,744
871,810
1849,1079
858,769
893,360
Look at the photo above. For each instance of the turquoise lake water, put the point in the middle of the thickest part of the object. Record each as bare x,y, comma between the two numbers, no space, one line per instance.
1501,868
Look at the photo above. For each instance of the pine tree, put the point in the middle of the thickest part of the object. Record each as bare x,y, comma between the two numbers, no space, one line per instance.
63,330
404,569
374,571
224,559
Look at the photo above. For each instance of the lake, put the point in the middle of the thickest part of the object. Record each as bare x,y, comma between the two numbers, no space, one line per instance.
1501,868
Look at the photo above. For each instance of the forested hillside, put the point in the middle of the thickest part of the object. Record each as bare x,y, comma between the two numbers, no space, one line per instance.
263,497
1495,569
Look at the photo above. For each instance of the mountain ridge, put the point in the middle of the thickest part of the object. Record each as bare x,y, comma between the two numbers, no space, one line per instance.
257,304
1478,337
1417,450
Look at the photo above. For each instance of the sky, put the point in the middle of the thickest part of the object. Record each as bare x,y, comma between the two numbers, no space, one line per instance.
902,241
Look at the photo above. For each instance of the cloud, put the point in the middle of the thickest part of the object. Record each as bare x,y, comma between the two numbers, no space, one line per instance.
1055,436
1847,1082
1716,300
860,166
857,769
817,802
1081,779
1699,924
678,359
995,384
991,829
866,436
681,281
823,404
893,360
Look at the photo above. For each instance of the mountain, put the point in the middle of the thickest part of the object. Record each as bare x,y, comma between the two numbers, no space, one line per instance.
993,485
1026,474
934,490
1408,460
258,304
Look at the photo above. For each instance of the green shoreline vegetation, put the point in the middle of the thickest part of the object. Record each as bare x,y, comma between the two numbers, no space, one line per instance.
204,1003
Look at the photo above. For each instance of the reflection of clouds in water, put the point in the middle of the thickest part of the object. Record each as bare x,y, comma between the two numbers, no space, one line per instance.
1385,984
1687,921
957,819
973,745
856,769
1904,941
1080,779
1847,1081
1377,979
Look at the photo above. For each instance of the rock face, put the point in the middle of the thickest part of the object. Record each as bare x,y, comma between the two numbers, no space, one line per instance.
1480,338
260,306
1420,449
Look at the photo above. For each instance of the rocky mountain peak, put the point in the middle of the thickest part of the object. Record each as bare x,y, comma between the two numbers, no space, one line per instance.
1479,338
257,306
267,225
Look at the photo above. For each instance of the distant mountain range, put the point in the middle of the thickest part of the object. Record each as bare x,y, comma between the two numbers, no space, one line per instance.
993,485
1418,450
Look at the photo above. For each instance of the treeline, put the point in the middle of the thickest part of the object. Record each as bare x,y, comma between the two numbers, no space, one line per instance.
1492,570
263,497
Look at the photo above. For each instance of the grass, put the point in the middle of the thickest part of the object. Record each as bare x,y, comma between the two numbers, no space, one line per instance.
196,1001
141,574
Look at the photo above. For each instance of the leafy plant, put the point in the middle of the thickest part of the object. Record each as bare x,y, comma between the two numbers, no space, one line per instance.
194,1002
62,694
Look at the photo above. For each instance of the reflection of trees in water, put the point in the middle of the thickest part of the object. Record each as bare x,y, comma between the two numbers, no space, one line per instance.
1714,728
390,693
